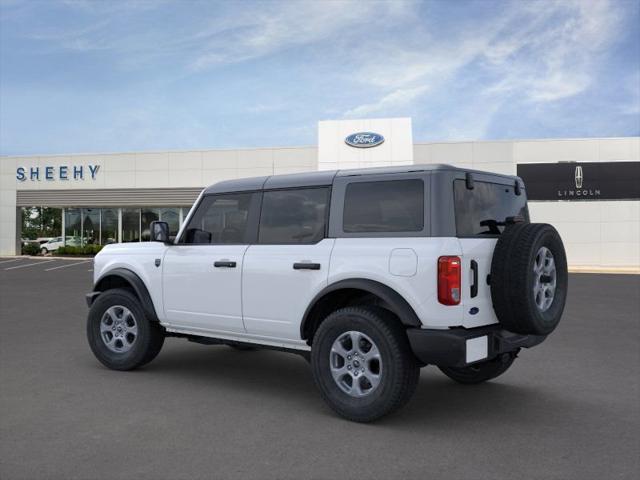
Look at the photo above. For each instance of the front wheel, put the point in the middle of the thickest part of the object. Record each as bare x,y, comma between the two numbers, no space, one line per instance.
44,251
362,363
119,333
480,372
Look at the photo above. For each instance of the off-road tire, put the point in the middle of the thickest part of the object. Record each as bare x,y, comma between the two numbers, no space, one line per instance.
513,278
149,339
480,372
399,375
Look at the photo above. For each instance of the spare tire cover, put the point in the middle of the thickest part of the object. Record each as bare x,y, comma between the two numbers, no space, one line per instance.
529,278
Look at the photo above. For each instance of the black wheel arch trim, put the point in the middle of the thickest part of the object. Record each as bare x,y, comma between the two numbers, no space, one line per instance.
396,302
136,283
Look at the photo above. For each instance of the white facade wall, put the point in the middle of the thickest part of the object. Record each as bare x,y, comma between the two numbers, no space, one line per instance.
197,168
8,212
598,234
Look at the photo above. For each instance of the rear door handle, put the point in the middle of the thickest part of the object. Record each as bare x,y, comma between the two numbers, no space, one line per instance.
306,266
224,263
474,287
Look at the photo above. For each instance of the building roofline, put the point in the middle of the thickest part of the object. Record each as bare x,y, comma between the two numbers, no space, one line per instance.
295,147
518,140
149,152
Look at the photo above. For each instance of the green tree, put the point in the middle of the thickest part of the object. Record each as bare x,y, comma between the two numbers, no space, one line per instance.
41,222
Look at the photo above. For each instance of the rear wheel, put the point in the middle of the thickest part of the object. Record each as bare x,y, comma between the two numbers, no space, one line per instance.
480,372
119,333
362,363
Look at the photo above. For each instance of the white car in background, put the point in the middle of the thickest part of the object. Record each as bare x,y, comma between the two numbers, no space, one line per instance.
52,245
56,242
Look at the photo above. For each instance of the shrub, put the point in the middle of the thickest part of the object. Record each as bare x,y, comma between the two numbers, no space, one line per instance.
31,249
84,250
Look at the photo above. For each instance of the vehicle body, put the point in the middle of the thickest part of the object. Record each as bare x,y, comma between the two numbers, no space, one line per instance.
393,265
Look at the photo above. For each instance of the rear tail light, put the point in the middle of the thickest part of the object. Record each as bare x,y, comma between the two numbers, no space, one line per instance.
449,280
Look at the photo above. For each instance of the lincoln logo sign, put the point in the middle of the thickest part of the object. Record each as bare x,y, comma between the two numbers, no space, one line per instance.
581,181
364,140
60,172
579,177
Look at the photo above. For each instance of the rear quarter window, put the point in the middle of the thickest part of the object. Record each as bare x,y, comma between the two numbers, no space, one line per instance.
487,204
384,206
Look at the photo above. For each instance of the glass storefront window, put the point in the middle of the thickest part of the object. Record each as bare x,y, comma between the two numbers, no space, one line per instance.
72,226
148,215
87,226
172,217
90,226
109,226
130,224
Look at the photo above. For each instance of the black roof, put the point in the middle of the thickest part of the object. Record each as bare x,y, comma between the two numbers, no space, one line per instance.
320,178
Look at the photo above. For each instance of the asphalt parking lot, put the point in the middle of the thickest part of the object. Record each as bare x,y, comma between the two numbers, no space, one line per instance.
567,409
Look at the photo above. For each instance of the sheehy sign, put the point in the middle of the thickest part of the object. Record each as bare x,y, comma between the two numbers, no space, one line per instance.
581,180
60,172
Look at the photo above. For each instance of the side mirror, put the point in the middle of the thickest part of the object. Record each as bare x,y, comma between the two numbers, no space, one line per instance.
160,232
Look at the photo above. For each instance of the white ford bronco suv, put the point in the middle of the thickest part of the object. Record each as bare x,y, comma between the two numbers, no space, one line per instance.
370,274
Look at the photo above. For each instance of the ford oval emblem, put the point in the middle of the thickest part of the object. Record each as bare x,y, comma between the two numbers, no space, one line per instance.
364,139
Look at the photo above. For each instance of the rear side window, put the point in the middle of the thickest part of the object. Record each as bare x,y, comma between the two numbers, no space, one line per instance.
384,206
220,219
479,211
293,216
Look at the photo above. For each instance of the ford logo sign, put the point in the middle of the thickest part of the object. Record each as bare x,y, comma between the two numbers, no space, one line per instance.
364,139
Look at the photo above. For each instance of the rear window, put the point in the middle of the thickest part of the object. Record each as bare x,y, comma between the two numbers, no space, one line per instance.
384,206
479,211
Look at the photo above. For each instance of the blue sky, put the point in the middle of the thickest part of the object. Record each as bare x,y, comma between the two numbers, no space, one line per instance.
103,76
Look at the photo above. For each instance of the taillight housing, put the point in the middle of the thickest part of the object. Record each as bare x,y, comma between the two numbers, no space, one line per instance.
449,275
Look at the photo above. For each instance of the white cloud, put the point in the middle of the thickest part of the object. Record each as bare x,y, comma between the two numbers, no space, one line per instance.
533,51
552,56
279,26
396,99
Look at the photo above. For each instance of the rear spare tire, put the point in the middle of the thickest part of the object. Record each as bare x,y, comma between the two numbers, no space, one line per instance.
529,278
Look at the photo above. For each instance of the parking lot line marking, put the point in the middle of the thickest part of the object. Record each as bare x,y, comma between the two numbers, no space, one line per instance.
30,264
9,261
65,266
90,270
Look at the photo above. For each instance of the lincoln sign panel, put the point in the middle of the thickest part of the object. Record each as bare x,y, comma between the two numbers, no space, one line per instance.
581,180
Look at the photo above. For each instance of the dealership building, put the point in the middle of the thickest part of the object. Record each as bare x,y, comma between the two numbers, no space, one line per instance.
588,188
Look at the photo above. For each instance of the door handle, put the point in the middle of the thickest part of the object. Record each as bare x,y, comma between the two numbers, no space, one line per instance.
474,270
306,266
224,263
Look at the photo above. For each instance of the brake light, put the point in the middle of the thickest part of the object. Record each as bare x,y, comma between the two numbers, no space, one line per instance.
449,280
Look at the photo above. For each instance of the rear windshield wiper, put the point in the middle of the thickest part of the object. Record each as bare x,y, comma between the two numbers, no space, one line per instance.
494,224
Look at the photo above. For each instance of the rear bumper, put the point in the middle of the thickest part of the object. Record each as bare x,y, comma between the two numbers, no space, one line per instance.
459,347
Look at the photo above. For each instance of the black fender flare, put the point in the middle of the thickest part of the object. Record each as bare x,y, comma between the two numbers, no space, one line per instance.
396,302
136,283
